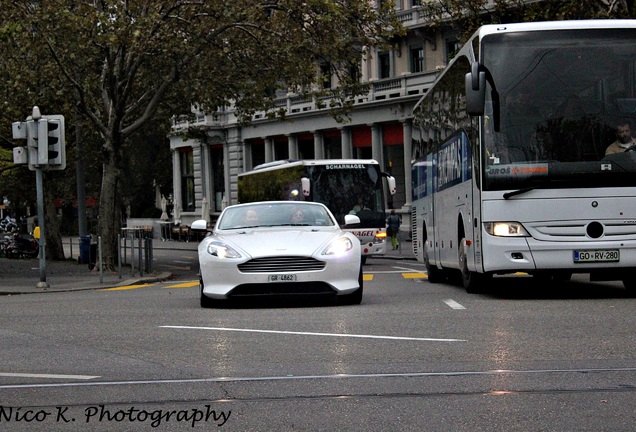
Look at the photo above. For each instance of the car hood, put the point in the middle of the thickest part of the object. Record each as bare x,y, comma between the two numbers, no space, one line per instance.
260,243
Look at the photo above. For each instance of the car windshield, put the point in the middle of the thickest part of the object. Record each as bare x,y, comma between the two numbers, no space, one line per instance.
274,215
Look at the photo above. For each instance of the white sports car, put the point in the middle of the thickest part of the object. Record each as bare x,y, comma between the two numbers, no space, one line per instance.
279,248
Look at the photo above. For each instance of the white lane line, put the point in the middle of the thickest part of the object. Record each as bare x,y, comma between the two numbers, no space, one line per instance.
49,376
407,269
337,376
313,334
453,304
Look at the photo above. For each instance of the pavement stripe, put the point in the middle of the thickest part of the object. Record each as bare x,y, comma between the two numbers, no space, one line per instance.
502,372
363,336
127,287
453,304
173,267
50,376
367,277
414,275
184,285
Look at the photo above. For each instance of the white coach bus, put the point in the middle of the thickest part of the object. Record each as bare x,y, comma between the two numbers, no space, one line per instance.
345,186
511,172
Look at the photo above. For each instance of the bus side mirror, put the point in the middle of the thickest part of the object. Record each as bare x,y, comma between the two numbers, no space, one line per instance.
306,186
390,181
475,91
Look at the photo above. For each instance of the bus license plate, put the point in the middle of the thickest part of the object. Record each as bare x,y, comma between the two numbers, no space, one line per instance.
282,278
592,256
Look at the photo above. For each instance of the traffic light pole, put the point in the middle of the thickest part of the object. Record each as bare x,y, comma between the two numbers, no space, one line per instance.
39,184
45,150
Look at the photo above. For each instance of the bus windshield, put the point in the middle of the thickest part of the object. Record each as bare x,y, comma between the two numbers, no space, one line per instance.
345,187
350,189
563,98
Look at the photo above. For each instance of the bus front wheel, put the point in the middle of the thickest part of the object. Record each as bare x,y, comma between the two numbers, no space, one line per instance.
433,274
474,283
630,286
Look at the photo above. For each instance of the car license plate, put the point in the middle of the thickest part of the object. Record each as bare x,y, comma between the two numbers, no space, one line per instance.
282,278
592,256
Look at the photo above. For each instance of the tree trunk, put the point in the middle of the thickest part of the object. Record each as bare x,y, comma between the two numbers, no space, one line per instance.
54,248
109,216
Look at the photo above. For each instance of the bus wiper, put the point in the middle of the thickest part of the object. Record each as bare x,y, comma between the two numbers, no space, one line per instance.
518,192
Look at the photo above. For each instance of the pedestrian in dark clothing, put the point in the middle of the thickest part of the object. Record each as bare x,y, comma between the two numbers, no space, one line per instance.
393,228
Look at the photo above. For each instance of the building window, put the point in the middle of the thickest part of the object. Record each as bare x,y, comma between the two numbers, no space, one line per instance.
452,47
187,179
325,75
384,64
417,59
218,176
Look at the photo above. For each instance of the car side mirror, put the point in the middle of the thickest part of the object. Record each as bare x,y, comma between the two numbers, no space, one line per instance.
351,219
199,225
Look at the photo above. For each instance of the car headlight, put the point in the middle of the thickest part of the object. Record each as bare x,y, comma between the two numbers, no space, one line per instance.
338,247
221,250
506,229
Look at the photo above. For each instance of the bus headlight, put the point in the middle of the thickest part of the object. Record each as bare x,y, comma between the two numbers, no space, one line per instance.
506,229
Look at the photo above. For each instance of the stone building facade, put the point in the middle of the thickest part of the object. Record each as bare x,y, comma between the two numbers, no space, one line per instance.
205,170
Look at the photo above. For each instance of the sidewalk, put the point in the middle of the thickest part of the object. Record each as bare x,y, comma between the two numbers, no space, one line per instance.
21,276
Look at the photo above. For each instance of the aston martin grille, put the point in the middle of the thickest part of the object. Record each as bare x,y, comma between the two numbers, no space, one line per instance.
281,264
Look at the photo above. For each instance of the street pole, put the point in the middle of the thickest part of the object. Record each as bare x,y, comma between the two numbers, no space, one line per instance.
40,198
45,149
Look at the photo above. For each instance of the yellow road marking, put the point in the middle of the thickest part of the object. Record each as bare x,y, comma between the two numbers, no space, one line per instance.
414,275
184,285
127,287
177,267
367,277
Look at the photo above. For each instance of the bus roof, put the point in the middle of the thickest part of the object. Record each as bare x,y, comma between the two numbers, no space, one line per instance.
309,162
555,25
488,29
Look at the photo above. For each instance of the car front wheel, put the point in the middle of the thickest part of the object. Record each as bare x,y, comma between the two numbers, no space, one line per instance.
206,302
356,296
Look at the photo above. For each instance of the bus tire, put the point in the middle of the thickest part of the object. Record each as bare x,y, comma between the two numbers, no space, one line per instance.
630,286
435,275
474,283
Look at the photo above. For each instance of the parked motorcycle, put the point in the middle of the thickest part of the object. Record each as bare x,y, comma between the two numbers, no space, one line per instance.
22,246
8,224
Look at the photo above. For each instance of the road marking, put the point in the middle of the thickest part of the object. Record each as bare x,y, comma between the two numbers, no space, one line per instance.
500,372
414,275
184,285
314,334
453,304
367,277
50,376
127,287
407,269
173,267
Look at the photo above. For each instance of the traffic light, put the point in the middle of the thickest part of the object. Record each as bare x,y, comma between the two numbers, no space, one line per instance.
32,143
51,146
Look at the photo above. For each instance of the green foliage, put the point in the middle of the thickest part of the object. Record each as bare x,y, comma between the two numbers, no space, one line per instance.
124,64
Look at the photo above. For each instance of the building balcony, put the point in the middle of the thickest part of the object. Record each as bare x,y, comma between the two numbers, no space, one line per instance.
409,86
